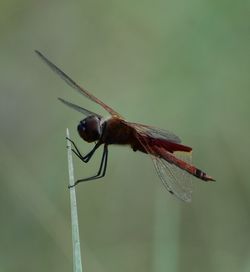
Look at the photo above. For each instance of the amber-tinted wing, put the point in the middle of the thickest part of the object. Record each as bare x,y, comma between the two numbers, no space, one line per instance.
177,181
75,86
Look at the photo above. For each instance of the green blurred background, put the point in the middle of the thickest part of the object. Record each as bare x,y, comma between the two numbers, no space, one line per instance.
179,65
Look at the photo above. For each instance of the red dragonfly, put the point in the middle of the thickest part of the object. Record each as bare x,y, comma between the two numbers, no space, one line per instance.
171,159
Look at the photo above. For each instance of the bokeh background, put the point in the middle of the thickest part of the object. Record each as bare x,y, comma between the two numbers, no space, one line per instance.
179,65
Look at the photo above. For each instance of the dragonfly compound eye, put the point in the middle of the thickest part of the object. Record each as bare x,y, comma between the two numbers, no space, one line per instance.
89,129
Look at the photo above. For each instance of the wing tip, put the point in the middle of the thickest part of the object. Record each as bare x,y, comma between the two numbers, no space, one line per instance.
63,101
187,198
38,53
60,99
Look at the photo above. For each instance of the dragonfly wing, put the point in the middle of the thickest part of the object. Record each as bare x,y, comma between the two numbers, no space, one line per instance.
78,108
161,137
177,181
75,86
155,132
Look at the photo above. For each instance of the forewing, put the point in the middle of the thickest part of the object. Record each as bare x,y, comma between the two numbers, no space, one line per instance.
177,181
78,108
75,86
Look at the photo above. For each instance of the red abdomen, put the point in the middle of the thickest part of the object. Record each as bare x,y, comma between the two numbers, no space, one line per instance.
170,146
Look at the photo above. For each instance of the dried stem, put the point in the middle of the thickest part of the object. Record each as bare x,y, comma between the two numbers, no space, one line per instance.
77,262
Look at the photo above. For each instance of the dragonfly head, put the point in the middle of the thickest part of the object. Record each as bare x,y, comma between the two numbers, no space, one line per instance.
90,129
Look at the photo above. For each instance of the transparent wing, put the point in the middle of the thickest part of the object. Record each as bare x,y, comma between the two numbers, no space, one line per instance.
75,86
177,181
78,108
156,132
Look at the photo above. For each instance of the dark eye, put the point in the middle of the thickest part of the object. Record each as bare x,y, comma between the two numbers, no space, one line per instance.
81,127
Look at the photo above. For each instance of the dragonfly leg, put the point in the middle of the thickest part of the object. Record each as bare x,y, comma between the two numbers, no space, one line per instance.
102,169
87,157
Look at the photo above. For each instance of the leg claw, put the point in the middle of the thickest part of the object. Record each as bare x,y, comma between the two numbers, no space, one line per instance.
71,186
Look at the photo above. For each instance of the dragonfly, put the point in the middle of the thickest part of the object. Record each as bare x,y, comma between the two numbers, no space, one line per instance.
171,159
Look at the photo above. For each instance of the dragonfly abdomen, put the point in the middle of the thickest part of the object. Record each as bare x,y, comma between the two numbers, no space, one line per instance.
202,175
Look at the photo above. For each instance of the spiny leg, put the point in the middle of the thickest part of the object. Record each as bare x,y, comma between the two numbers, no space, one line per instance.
102,169
87,157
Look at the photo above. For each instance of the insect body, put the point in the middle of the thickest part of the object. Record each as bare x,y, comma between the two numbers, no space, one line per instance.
170,158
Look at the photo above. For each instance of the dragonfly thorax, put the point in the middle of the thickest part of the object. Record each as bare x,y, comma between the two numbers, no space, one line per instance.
90,129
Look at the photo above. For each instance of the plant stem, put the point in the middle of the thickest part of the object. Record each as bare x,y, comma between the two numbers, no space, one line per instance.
77,262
